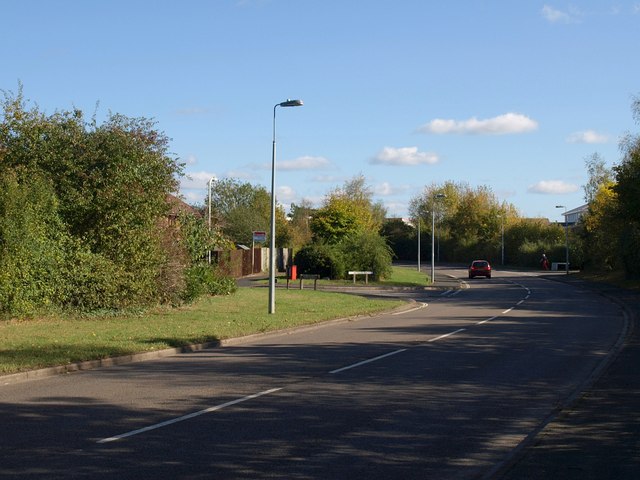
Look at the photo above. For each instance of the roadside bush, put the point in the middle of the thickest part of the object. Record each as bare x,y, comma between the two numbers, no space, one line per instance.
31,239
322,259
203,279
367,251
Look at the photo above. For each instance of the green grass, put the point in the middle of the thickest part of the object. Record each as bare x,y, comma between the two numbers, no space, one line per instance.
51,341
407,277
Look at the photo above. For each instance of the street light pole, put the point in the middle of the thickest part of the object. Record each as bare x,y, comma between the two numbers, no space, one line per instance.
502,239
272,239
210,185
433,227
418,242
566,238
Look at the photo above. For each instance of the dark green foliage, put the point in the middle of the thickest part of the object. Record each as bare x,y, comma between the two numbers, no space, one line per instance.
202,279
367,251
31,245
402,239
82,206
322,259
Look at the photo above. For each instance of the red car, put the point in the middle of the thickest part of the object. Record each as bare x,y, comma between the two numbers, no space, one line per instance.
480,268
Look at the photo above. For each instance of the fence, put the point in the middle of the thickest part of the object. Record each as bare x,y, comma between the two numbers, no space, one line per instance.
239,263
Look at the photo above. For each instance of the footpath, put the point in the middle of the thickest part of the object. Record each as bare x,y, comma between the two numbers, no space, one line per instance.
598,435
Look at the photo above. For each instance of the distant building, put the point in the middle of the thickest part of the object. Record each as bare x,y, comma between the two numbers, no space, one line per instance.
573,216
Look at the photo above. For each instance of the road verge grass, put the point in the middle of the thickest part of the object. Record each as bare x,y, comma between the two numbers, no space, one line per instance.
61,340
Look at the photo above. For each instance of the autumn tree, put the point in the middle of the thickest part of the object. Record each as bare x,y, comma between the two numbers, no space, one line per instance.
240,208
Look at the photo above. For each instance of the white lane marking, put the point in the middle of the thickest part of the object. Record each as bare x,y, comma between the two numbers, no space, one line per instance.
447,335
520,302
507,310
445,293
422,305
188,416
487,320
364,362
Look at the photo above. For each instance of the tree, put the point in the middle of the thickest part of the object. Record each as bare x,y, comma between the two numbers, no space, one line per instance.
469,220
109,183
347,210
599,175
627,189
241,208
299,222
602,227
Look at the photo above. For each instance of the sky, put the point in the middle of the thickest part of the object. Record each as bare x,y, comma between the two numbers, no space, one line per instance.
511,95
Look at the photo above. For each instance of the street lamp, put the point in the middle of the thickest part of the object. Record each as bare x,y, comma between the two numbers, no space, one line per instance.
566,239
502,238
433,227
210,185
419,220
272,240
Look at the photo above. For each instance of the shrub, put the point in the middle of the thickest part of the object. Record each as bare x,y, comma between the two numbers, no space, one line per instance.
203,279
322,259
367,251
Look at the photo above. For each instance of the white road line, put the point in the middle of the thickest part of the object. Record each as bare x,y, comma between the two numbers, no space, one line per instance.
447,335
520,302
188,417
422,305
487,320
364,362
507,310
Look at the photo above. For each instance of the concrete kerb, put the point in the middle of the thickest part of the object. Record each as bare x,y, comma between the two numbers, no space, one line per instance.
144,356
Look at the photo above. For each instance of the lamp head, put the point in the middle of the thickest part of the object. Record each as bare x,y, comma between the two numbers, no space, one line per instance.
291,103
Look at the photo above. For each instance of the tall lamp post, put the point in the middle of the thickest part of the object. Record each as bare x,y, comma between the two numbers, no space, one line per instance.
502,238
433,227
210,186
419,219
272,240
566,239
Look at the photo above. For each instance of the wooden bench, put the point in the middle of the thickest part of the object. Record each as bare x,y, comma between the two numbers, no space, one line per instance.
366,275
309,276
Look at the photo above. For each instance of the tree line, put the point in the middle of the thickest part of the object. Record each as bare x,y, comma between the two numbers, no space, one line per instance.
84,219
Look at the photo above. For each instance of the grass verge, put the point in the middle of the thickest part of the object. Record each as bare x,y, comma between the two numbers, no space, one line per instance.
51,341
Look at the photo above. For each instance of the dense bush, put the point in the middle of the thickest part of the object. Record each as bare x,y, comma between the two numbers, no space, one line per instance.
31,245
322,259
202,279
83,216
367,251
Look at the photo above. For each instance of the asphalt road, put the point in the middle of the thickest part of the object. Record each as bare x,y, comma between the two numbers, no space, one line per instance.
446,389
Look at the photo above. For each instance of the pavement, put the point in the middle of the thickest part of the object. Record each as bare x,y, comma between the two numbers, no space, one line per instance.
597,436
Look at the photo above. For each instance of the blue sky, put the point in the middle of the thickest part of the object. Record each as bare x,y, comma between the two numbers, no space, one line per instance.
513,95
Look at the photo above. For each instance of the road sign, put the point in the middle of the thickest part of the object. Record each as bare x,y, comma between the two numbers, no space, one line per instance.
259,237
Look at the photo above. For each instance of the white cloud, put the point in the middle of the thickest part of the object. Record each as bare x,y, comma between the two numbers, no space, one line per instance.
303,163
196,180
554,15
285,194
588,136
190,159
406,156
386,189
193,197
552,187
241,175
508,123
